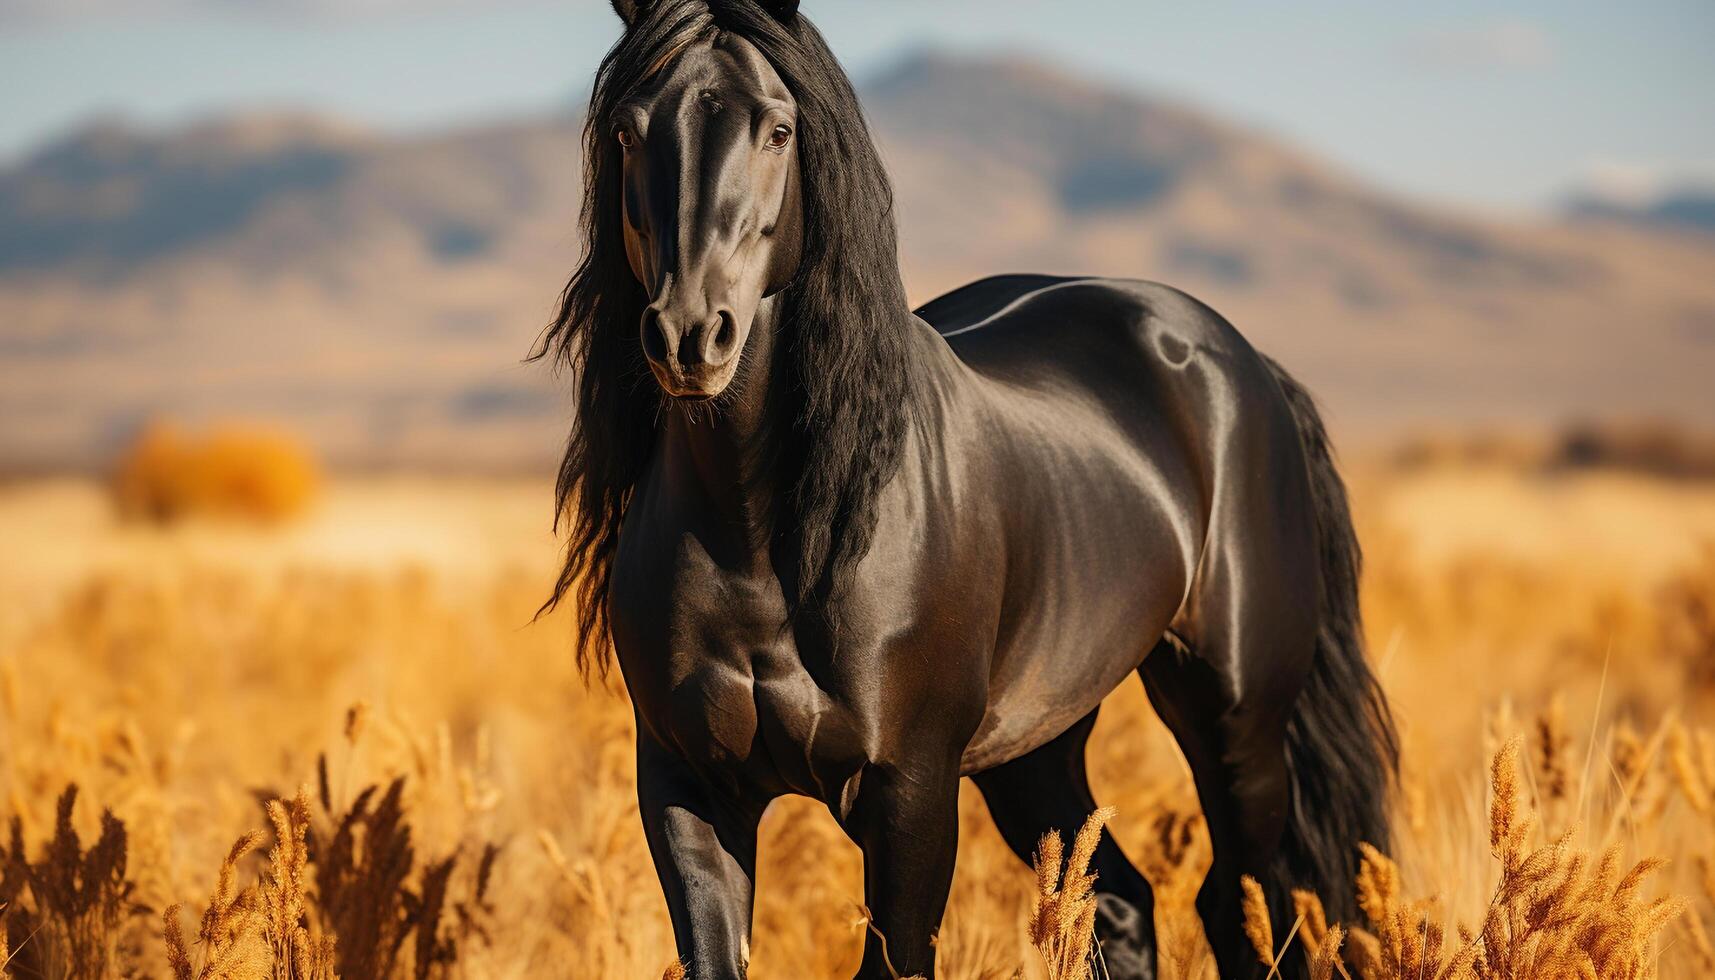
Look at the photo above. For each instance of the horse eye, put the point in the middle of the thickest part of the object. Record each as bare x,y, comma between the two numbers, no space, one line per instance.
624,136
777,139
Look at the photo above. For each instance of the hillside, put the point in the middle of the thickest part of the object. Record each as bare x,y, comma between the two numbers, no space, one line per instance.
378,292
1684,209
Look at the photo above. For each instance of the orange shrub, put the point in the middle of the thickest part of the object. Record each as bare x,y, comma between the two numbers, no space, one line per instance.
240,471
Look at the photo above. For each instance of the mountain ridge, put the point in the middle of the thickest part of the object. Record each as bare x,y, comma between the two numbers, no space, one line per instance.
377,291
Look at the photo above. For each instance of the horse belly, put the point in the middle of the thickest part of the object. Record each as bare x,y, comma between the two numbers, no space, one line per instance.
1061,683
1093,589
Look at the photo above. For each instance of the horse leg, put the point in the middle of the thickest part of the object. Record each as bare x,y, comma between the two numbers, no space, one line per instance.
704,847
1236,746
1047,791
906,820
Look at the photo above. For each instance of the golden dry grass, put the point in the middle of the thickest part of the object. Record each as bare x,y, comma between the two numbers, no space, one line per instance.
178,677
1062,923
1556,911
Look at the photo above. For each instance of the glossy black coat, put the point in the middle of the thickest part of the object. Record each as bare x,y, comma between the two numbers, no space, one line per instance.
1099,477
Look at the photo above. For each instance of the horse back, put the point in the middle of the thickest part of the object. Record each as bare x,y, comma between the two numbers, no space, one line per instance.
975,302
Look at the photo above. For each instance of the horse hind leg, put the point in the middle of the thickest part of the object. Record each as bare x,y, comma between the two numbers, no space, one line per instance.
1048,790
1236,748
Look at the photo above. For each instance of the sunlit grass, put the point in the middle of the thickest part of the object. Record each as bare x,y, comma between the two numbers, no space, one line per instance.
180,678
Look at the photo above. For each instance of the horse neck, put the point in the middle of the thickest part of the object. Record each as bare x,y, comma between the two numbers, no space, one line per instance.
723,458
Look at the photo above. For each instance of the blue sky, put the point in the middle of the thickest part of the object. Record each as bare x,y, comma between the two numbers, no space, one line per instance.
1500,105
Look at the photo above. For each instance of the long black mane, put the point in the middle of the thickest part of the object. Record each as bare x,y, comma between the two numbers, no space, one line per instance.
849,387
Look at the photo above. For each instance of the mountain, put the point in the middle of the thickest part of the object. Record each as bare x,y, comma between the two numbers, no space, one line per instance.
378,292
1690,208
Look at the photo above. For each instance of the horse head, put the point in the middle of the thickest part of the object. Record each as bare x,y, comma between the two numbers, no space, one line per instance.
712,212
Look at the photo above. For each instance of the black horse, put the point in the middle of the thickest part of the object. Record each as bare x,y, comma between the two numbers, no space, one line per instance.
854,552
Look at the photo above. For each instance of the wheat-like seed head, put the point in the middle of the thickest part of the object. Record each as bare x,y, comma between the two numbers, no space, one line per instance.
1686,770
217,920
1327,954
1462,965
1307,905
285,889
1364,952
1627,890
1048,857
1627,751
178,957
1705,742
356,717
1089,835
1378,886
1258,928
1063,917
1553,746
1509,819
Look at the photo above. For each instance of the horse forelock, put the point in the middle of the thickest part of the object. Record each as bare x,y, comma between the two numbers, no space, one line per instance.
844,326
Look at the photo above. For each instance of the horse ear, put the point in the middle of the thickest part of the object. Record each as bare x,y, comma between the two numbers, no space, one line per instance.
631,11
784,11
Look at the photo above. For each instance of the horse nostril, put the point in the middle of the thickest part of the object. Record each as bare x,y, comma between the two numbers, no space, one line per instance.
655,346
724,338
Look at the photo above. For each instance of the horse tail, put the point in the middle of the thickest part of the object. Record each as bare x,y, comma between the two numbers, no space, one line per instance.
1342,752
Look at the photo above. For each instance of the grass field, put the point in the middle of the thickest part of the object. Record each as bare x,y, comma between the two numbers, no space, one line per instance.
181,677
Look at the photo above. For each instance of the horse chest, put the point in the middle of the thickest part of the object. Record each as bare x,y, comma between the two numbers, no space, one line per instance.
715,678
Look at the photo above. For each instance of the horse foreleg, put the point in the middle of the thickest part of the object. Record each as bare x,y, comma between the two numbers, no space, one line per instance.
704,849
1048,791
907,823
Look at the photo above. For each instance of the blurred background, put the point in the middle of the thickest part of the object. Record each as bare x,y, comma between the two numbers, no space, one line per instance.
352,218
269,448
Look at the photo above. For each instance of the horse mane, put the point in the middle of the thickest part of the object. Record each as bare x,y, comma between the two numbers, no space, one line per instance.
844,321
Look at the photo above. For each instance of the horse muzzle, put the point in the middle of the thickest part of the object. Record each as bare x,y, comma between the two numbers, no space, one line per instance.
692,357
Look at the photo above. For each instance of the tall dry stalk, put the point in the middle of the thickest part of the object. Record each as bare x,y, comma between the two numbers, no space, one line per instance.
1551,747
354,907
1555,910
1406,941
66,914
261,932
229,940
1691,757
1325,959
1637,768
1063,914
1259,929
297,953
